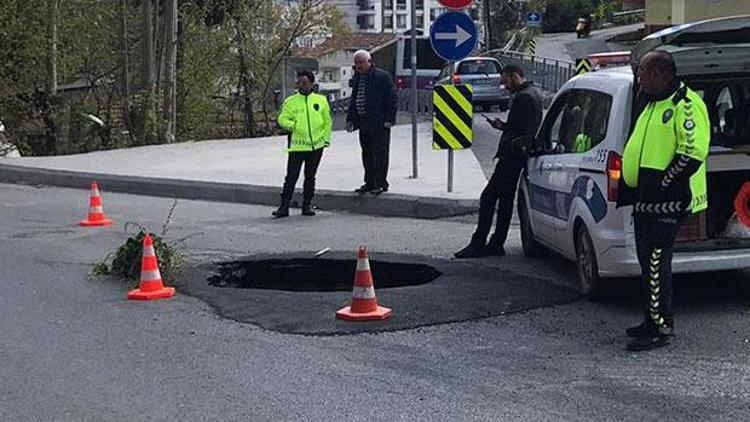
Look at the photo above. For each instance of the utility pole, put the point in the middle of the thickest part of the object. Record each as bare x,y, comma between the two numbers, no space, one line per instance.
414,169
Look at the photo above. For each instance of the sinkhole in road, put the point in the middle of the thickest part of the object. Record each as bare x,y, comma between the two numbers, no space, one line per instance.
316,275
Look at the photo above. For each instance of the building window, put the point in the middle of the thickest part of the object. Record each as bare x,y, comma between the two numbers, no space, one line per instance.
420,21
366,21
401,4
420,4
366,4
388,22
401,21
435,12
388,4
474,13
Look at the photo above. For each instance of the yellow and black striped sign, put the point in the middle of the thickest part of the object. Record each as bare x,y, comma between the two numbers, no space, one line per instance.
583,66
452,117
532,47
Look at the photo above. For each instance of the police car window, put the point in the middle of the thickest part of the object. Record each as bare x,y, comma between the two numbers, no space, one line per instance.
586,125
551,131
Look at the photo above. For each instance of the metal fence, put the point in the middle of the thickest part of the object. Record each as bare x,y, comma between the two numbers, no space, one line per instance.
548,74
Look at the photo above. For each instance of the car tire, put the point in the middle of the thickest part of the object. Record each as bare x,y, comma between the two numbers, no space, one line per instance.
589,281
531,247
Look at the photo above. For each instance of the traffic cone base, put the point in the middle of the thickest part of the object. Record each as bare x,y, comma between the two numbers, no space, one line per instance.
364,305
151,286
379,314
162,293
96,217
96,223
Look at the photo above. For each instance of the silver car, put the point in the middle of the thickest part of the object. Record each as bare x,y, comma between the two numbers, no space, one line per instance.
483,73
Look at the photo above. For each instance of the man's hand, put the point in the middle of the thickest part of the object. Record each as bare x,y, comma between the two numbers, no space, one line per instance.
349,127
388,125
497,124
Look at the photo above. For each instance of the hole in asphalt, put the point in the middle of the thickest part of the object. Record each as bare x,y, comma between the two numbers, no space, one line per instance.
316,275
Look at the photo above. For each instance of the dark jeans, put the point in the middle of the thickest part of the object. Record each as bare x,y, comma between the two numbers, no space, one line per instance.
654,242
499,195
375,150
311,160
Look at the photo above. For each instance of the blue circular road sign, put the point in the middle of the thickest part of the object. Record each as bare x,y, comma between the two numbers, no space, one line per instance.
453,36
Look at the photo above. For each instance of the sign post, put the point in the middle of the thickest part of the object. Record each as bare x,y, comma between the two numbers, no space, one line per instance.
453,36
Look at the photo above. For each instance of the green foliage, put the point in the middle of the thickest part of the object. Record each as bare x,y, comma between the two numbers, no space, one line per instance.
125,262
210,100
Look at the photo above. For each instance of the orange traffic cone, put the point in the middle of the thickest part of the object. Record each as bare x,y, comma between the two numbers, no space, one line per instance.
96,210
364,304
151,286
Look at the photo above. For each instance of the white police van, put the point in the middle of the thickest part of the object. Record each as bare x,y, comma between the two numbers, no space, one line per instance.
568,193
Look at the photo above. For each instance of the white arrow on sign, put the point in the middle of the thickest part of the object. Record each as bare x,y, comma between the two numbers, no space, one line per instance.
461,36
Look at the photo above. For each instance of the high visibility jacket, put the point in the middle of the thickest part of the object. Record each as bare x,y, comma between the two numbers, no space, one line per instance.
308,118
581,143
677,126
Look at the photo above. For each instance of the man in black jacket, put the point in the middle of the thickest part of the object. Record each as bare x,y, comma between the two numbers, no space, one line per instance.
372,110
524,119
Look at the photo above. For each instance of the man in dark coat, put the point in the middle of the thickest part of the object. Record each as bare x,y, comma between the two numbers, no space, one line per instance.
524,119
372,110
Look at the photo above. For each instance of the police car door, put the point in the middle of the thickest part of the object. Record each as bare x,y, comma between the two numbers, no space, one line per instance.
577,170
542,171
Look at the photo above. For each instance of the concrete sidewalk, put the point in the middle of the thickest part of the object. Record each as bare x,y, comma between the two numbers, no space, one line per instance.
252,171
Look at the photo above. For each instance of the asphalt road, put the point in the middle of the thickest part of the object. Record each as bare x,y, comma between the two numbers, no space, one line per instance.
73,348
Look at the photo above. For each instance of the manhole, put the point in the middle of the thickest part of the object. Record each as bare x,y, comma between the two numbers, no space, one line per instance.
316,275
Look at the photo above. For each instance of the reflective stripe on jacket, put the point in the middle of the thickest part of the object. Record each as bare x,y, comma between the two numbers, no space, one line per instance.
678,124
308,118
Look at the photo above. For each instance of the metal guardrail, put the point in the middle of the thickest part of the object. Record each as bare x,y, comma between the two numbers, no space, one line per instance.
424,102
629,16
547,73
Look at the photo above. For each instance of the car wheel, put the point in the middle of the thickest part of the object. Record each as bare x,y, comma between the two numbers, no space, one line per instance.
589,282
531,247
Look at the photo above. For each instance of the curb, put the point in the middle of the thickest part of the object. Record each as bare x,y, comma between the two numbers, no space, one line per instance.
391,205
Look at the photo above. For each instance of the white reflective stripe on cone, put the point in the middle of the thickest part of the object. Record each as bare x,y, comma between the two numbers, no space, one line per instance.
96,191
363,265
151,275
97,210
148,251
364,292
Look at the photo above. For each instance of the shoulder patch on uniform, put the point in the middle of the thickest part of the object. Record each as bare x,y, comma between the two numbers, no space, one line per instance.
689,124
680,95
667,115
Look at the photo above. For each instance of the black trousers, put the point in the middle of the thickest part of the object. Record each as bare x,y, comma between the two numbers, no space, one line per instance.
311,159
654,242
499,195
375,150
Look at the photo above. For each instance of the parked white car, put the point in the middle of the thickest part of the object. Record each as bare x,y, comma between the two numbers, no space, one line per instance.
568,194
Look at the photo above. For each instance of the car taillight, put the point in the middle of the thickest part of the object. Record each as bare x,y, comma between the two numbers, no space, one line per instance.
456,79
400,83
614,172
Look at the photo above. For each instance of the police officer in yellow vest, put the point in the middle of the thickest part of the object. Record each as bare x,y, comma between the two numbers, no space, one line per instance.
307,116
664,169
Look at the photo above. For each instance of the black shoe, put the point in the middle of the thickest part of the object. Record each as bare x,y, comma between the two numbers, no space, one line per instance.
495,251
649,342
495,248
653,337
364,189
282,211
307,210
379,190
471,251
643,330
